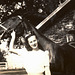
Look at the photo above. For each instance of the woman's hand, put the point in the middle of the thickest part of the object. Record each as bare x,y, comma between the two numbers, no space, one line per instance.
13,34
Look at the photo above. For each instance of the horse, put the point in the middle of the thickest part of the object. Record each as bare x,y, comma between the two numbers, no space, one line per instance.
62,60
62,57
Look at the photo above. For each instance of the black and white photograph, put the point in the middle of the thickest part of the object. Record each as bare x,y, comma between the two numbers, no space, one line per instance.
37,37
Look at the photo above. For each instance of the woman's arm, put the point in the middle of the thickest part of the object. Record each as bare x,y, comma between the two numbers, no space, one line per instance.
47,65
47,70
11,46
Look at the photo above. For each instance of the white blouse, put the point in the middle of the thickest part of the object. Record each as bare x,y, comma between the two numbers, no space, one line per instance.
36,61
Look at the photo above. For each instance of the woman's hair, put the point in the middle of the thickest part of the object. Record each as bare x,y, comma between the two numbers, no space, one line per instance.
26,41
27,44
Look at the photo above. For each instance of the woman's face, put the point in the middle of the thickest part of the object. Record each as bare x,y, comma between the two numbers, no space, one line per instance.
33,42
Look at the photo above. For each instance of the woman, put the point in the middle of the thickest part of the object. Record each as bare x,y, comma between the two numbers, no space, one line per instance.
37,59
